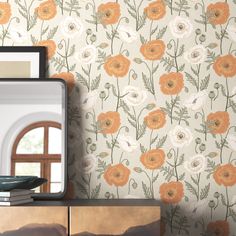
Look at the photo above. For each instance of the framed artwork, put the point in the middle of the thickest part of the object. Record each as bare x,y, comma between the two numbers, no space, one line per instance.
22,62
115,221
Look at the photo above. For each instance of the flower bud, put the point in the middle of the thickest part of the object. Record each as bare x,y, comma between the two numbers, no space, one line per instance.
93,38
211,204
216,85
211,94
103,154
169,155
134,76
202,38
202,147
198,140
103,45
212,154
93,147
88,31
150,106
107,195
216,195
102,94
169,46
138,169
60,46
138,60
198,31
134,185
107,85
88,140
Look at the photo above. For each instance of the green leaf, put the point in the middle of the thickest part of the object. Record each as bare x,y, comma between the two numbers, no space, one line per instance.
142,39
96,82
161,33
161,142
205,83
95,192
146,191
191,189
142,148
52,32
191,79
204,192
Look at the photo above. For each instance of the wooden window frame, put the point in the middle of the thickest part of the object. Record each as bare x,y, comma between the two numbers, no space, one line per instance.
45,159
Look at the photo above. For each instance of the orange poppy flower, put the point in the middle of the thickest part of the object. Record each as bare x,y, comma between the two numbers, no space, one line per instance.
218,228
109,13
117,175
47,10
155,10
68,77
109,122
172,192
117,66
218,122
172,83
5,12
225,175
225,65
155,119
153,159
153,50
51,47
218,13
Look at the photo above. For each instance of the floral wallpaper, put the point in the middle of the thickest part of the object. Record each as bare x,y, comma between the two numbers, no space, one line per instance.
152,100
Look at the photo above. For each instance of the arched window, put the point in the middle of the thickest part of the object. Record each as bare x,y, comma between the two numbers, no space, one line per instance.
37,151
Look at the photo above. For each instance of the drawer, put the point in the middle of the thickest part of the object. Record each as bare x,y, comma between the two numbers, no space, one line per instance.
115,220
13,218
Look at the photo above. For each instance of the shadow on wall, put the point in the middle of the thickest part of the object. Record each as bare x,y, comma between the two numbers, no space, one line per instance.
75,142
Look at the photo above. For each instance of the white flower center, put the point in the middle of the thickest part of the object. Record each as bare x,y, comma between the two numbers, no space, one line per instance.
86,54
180,135
181,26
134,95
195,54
195,163
72,27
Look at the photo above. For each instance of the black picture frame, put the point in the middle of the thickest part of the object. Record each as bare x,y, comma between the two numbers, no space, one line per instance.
42,52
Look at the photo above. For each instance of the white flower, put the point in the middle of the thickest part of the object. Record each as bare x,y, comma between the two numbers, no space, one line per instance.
181,27
134,96
88,100
231,139
196,164
196,55
196,100
127,143
18,35
87,55
127,34
234,203
231,30
88,164
72,27
180,136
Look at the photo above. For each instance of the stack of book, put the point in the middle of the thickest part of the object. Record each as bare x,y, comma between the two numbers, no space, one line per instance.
16,197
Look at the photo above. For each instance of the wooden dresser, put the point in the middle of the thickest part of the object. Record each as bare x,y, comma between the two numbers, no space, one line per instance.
104,217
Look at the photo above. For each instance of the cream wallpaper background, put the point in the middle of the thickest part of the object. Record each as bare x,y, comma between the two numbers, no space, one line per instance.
152,100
